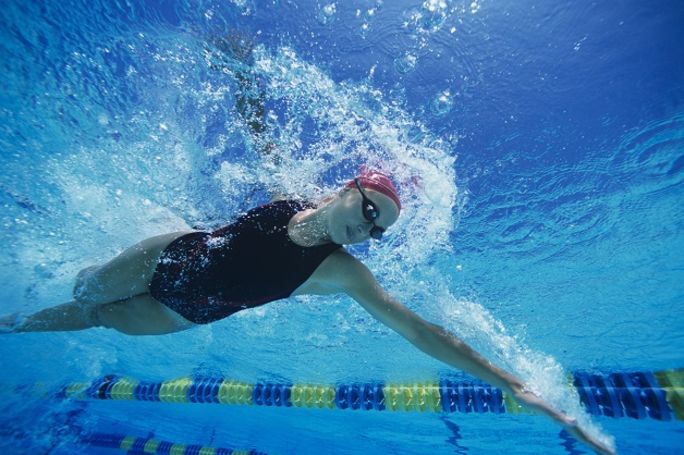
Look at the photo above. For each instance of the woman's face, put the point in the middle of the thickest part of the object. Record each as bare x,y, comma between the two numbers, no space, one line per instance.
346,223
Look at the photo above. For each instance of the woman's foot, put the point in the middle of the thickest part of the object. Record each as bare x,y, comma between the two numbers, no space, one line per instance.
9,323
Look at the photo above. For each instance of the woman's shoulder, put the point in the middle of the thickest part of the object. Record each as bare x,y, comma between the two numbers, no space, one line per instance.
340,266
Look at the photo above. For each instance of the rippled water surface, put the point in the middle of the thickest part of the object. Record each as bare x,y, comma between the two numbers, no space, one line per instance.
538,149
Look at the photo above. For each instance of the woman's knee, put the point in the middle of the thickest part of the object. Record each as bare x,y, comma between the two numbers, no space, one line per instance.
92,315
86,286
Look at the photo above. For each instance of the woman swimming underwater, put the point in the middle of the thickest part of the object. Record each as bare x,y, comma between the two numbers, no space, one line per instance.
175,281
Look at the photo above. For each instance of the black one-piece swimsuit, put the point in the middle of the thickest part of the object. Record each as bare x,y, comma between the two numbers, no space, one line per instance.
207,276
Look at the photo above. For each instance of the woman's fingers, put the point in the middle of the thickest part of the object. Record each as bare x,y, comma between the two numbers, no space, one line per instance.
598,446
535,402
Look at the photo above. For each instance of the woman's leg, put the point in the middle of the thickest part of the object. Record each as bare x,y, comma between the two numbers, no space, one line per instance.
61,318
119,280
139,315
125,276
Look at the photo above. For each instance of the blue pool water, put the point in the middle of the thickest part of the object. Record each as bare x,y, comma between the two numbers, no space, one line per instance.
538,148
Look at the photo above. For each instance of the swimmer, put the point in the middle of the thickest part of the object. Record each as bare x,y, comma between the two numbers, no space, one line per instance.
177,281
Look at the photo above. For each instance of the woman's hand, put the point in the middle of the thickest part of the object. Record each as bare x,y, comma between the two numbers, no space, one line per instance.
533,401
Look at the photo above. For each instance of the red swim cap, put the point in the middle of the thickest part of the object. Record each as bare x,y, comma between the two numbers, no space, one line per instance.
379,182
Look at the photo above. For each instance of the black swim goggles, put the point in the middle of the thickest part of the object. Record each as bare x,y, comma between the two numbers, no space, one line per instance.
370,212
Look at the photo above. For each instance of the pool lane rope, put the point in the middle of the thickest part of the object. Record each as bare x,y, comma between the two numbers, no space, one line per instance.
639,395
133,445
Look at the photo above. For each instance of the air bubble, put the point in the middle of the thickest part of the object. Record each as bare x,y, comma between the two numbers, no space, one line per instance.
442,103
430,18
327,13
434,5
406,63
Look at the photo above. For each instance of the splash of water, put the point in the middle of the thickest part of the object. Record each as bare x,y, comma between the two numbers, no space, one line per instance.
541,373
355,124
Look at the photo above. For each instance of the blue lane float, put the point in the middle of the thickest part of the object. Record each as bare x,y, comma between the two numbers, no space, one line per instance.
639,395
635,395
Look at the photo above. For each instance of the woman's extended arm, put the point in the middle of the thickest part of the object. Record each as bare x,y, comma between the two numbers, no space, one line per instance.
357,281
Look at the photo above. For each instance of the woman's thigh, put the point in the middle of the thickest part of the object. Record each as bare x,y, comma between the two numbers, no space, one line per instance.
125,276
141,315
